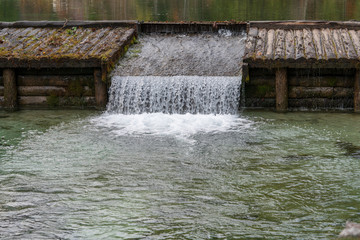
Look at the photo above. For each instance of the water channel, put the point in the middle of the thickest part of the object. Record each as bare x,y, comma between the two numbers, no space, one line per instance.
167,166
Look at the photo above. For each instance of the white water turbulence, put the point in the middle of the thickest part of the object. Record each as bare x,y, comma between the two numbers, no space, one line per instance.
174,94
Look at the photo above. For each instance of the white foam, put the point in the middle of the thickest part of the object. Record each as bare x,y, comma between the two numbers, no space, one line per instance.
177,125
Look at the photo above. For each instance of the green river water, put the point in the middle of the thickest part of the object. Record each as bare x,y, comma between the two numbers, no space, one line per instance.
255,175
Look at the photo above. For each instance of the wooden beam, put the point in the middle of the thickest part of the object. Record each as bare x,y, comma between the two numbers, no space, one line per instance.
357,92
281,90
100,90
10,90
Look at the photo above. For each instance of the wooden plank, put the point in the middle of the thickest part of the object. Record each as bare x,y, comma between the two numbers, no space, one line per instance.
261,43
250,42
270,41
321,103
321,81
318,44
281,90
10,90
53,80
299,43
355,38
299,25
310,51
100,90
41,91
280,44
72,42
340,50
328,44
357,91
319,92
348,45
290,44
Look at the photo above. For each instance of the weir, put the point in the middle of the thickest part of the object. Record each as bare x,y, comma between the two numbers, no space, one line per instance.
288,65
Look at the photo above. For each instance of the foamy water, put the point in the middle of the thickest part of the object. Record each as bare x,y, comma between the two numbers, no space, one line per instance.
177,125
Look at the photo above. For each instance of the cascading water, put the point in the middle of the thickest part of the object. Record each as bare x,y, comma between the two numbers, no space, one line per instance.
174,95
197,74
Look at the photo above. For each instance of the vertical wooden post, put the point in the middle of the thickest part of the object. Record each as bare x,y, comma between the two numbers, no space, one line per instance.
357,92
281,90
100,90
10,89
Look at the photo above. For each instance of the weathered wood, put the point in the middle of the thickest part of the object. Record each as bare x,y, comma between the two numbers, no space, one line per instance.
290,44
318,44
68,24
319,92
308,44
54,80
356,41
260,102
280,44
10,91
260,91
348,45
318,104
328,44
100,90
1,90
48,72
340,50
357,92
270,40
281,90
321,81
265,80
41,91
61,101
251,42
261,43
298,25
299,43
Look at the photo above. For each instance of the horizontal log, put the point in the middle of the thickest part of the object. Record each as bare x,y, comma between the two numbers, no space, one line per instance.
55,71
41,91
306,72
322,81
321,103
299,25
46,62
190,27
261,72
320,92
344,63
61,101
260,91
54,80
71,23
266,80
260,102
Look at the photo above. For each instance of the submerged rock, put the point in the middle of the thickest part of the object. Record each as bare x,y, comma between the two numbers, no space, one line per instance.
351,149
352,230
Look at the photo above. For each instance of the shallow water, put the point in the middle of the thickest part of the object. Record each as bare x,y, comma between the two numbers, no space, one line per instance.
85,175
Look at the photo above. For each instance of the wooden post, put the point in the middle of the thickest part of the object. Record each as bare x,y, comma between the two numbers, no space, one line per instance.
357,92
10,89
281,90
100,90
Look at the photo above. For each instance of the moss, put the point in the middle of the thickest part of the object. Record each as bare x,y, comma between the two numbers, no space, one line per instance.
53,100
332,81
262,90
75,89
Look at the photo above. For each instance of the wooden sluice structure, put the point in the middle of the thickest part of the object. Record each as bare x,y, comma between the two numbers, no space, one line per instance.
67,64
52,64
302,65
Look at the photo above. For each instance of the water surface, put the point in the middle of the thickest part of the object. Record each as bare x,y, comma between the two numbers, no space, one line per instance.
179,10
253,175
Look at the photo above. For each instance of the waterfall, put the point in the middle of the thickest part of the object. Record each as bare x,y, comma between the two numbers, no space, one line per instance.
179,74
174,94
